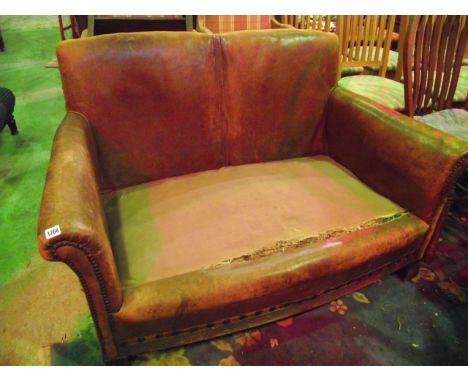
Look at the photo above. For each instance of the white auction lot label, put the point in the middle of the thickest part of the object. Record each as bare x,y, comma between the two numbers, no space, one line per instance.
52,232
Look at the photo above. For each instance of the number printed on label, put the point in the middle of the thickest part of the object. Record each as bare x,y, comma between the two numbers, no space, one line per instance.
52,232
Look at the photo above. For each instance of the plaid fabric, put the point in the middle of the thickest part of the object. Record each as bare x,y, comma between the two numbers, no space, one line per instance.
379,89
391,64
220,24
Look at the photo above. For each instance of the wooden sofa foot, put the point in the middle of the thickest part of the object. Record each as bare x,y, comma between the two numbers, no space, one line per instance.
410,271
125,361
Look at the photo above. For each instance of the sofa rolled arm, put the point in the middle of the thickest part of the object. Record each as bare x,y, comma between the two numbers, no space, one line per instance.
72,226
407,161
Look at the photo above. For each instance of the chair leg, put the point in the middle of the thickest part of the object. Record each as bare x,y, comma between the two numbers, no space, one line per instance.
12,125
410,271
125,361
2,43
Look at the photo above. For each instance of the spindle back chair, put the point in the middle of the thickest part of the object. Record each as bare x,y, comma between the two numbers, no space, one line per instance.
434,47
365,40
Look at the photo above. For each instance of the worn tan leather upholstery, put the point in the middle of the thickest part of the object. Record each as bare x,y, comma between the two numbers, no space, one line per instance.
197,221
205,184
203,240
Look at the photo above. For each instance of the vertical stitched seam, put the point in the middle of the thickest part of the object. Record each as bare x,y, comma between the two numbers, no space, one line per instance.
221,115
217,96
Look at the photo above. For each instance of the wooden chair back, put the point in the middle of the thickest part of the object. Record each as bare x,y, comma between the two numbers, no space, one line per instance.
365,40
403,29
232,23
434,46
320,23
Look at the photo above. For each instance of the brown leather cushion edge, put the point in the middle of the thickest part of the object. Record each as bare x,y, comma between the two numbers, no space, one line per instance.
211,330
209,295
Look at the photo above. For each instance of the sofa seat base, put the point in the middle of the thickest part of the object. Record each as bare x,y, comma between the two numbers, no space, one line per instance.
163,341
222,245
179,225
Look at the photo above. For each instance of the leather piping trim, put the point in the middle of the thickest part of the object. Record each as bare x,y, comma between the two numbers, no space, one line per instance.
135,340
453,176
51,250
286,245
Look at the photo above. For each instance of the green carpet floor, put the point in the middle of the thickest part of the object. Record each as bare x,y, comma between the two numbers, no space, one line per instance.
44,318
40,303
24,159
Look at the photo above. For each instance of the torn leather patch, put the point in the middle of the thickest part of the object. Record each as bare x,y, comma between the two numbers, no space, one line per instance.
285,245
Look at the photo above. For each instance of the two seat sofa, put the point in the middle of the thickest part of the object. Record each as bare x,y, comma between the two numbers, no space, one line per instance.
206,184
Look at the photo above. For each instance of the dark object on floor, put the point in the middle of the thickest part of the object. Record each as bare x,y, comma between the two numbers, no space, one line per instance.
7,105
461,192
461,202
2,43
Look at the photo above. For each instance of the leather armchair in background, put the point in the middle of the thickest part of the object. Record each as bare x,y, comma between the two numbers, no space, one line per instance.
205,184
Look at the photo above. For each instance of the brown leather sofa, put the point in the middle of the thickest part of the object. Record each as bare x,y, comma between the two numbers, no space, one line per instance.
205,184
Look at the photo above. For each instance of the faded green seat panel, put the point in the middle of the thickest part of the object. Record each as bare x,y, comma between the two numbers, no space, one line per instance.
351,71
183,224
379,89
391,93
391,63
462,86
391,66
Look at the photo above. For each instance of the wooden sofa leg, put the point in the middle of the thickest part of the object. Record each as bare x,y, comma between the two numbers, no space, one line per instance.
12,125
125,361
410,271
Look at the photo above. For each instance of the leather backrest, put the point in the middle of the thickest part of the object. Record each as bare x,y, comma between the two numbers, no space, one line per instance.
170,103
276,84
152,100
